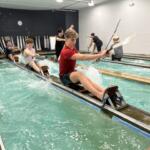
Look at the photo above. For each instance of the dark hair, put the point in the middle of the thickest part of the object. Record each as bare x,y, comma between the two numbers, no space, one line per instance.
92,34
59,30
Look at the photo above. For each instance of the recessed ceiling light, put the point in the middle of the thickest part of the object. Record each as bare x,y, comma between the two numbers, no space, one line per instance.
131,3
91,3
59,1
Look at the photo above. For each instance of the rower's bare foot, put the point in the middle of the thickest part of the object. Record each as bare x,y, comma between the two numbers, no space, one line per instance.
41,72
47,76
100,97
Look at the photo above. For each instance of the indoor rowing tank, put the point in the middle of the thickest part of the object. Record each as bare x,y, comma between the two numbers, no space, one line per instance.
36,115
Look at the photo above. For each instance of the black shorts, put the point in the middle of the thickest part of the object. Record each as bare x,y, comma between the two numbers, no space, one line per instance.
115,58
99,47
65,79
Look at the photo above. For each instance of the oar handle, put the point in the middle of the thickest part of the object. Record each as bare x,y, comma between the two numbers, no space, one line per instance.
108,50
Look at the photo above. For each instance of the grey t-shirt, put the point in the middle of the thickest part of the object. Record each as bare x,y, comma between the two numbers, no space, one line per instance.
118,50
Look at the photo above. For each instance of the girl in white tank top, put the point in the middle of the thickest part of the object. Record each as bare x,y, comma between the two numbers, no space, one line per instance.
29,56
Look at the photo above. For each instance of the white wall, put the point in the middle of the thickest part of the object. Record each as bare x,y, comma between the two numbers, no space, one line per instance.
103,18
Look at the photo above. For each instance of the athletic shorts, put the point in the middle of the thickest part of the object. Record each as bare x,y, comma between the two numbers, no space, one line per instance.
65,79
99,48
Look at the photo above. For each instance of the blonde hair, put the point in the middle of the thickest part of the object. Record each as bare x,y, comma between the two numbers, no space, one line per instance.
116,38
71,34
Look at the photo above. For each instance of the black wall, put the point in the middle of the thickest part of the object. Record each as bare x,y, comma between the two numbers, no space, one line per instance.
72,18
35,22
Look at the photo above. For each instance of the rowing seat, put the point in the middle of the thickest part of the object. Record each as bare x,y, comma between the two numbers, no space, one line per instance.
16,52
75,86
16,58
113,98
45,70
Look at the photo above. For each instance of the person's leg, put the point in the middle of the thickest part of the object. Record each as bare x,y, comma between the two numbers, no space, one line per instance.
119,59
99,48
40,67
57,54
37,64
35,67
98,87
79,77
112,57
58,51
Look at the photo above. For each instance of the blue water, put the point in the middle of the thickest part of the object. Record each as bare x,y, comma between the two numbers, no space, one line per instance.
134,61
36,116
119,67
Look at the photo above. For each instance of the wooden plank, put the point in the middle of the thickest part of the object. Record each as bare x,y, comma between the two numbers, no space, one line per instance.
125,76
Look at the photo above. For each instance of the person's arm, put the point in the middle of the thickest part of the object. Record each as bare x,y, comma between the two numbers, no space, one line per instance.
79,56
29,53
60,39
15,49
90,44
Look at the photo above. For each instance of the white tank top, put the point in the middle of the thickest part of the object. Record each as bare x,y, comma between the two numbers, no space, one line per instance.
29,59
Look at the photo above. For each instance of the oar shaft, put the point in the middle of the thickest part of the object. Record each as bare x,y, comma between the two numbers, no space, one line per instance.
116,28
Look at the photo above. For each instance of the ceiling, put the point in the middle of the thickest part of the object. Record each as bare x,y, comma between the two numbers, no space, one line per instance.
46,4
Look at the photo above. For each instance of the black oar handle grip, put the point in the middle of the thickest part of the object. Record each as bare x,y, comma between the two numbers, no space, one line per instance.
108,50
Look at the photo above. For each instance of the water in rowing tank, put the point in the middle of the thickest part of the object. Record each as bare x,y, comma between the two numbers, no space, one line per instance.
145,72
36,116
133,61
134,93
92,73
52,67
